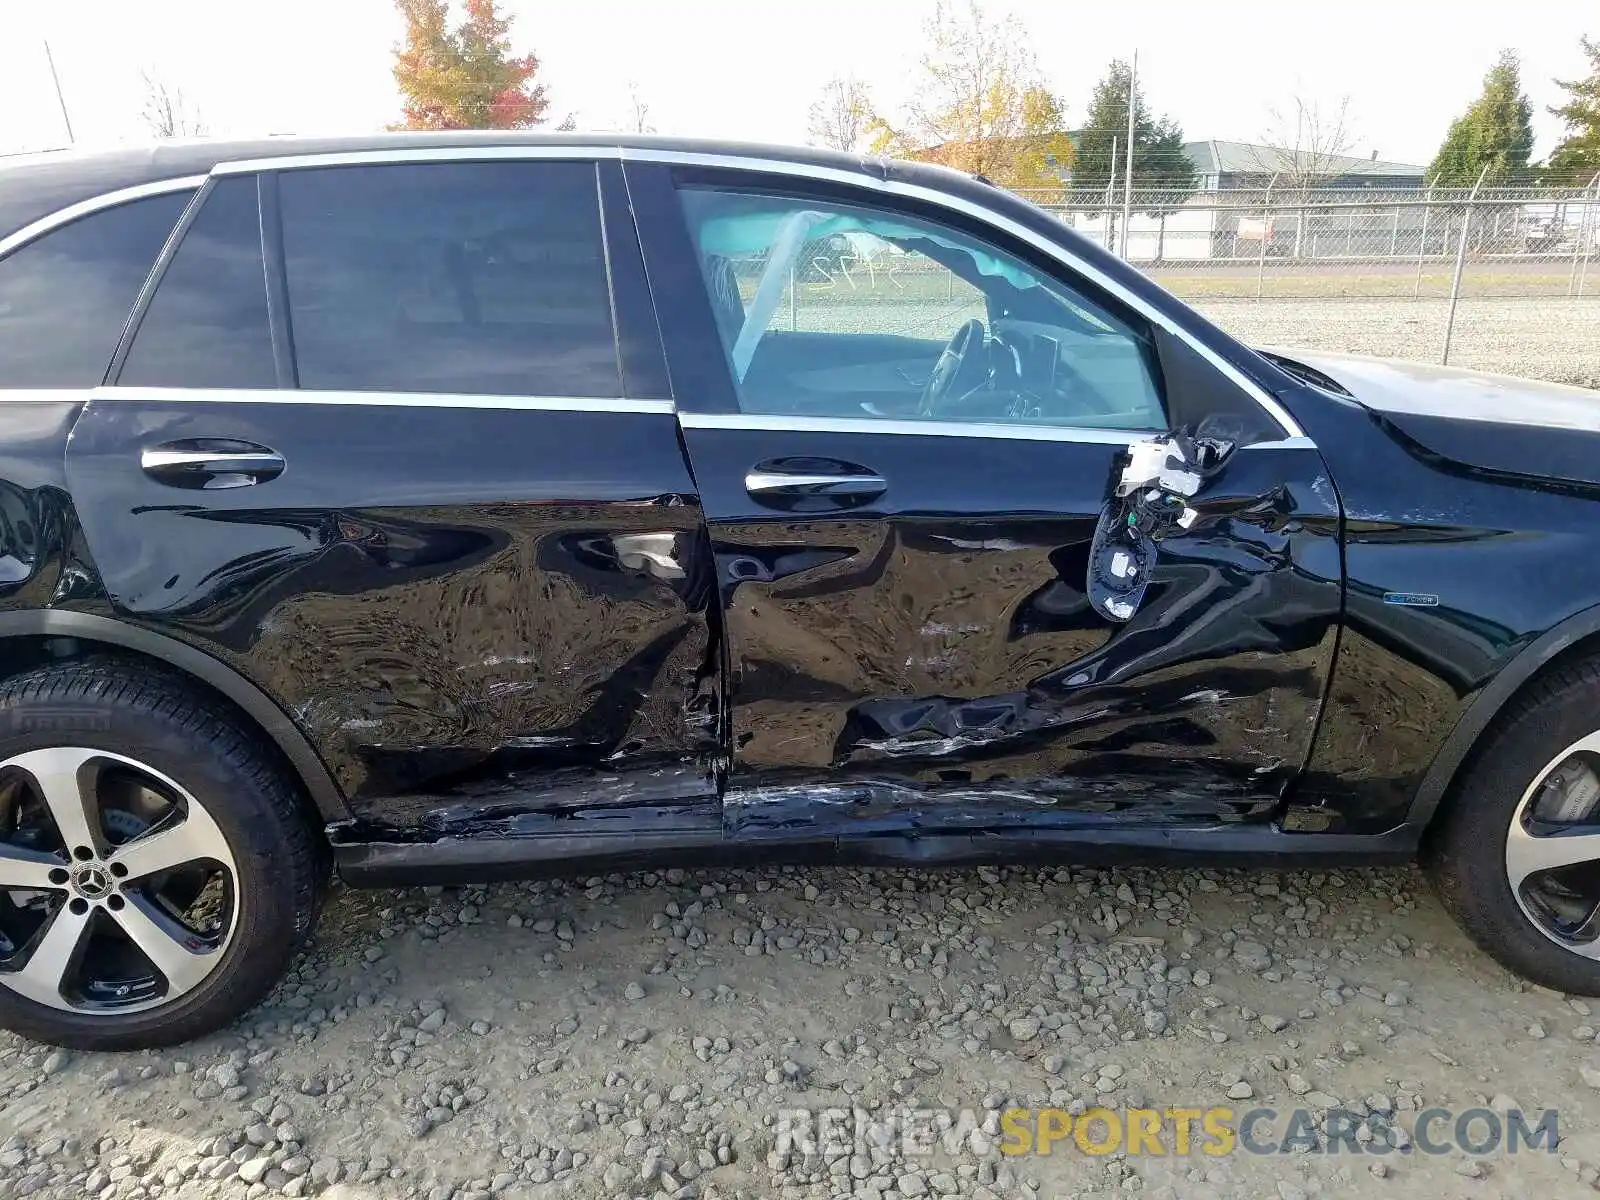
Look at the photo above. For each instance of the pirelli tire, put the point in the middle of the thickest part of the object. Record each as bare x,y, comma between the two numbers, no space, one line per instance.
157,869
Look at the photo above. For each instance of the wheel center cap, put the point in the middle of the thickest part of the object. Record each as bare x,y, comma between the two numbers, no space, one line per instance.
91,882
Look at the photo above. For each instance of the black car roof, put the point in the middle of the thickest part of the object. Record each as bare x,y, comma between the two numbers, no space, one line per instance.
34,185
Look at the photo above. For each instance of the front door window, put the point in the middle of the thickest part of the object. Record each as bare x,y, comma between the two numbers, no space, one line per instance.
834,310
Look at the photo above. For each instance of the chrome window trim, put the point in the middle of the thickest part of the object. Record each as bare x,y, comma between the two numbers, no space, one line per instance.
94,204
1299,442
780,422
44,395
580,404
419,154
773,421
1061,254
776,422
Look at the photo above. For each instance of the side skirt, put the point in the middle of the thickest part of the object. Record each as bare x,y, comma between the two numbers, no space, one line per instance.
700,841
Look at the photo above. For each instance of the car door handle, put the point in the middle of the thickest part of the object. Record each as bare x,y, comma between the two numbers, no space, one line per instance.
210,463
786,484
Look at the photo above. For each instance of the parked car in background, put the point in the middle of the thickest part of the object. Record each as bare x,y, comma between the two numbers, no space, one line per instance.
1543,233
455,507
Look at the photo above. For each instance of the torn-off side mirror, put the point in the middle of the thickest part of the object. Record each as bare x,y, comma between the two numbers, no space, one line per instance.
1152,482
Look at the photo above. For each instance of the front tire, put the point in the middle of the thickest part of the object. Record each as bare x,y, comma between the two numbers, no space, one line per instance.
156,873
1515,857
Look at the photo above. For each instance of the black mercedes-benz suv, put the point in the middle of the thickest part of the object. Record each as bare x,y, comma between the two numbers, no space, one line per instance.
451,507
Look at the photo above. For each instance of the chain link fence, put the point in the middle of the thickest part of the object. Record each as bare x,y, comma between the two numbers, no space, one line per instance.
1498,278
1515,241
1502,280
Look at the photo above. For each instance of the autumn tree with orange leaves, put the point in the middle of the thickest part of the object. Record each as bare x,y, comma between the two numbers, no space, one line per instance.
465,77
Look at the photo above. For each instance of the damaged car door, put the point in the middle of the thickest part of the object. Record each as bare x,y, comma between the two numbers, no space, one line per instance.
1068,572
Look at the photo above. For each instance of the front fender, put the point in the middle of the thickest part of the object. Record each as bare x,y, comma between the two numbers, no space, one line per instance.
1566,638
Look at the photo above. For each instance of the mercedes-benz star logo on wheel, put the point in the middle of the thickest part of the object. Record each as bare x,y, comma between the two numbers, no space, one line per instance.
92,882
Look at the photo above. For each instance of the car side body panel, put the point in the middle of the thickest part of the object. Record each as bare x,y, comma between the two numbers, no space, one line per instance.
390,625
1452,574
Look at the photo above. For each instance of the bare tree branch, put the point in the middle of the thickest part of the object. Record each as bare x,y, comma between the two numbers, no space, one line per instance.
167,113
841,116
1303,144
638,111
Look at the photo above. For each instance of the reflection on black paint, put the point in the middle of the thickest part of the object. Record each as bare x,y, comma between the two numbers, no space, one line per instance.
42,557
472,278
936,657
1507,560
207,322
427,591
65,297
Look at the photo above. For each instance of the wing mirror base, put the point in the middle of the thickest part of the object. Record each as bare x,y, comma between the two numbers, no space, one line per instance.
1152,483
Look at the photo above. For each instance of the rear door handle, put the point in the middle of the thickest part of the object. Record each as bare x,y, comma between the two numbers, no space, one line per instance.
812,484
210,463
778,483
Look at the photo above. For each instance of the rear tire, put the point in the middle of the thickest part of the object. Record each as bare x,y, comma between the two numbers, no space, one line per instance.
1530,797
180,898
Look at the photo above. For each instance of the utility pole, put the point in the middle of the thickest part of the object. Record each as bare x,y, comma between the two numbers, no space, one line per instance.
1266,233
1111,195
1461,262
1127,182
1422,247
60,99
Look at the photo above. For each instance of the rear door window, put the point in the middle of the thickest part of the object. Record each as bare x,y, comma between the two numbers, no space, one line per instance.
206,325
450,277
65,297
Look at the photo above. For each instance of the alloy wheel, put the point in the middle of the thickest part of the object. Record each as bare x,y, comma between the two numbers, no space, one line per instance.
1553,849
118,892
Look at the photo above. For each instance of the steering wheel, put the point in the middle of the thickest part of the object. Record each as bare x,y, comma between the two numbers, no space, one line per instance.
952,369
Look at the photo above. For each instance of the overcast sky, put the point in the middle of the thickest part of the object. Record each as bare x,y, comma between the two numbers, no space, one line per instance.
750,68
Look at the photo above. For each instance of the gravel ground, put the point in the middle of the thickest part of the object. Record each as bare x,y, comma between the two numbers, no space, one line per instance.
1542,338
640,1036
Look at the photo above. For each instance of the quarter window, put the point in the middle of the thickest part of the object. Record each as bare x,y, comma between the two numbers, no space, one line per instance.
450,277
841,311
65,297
206,325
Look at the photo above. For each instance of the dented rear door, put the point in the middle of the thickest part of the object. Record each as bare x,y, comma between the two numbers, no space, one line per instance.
424,488
911,635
